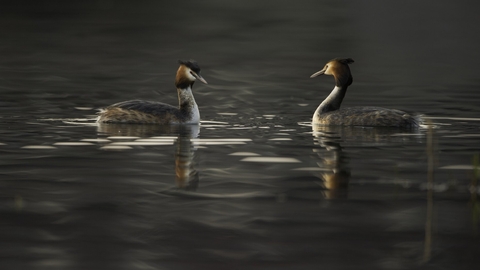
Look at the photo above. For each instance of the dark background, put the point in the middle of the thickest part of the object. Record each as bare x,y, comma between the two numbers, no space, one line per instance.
68,203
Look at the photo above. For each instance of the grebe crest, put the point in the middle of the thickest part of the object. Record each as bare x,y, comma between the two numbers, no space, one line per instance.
329,112
151,112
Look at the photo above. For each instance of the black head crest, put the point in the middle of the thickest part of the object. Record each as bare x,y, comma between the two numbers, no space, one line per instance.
345,60
192,64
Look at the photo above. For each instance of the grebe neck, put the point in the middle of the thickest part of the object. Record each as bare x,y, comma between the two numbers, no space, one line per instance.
333,101
343,79
187,104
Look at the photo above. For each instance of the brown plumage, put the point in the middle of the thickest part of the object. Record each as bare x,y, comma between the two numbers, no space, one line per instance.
329,112
152,112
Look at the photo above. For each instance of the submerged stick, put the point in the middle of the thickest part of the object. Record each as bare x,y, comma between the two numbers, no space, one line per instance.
429,219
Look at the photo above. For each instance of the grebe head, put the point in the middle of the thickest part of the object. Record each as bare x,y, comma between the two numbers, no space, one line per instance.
188,73
337,67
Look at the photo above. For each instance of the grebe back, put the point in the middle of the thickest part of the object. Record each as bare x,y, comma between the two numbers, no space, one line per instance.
151,112
329,112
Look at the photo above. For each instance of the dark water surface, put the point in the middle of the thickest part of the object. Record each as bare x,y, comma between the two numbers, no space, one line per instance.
253,187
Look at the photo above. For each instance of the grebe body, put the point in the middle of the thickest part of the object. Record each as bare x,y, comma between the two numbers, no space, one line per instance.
151,112
329,112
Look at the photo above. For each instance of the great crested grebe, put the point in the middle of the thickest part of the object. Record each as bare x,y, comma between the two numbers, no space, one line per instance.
151,112
329,112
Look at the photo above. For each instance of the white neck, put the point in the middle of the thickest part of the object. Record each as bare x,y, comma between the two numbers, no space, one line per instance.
187,103
332,102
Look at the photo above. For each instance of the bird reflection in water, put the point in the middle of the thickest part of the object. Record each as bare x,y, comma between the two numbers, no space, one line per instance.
336,179
186,176
337,174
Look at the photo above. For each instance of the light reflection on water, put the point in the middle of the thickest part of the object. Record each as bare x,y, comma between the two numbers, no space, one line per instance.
254,186
249,189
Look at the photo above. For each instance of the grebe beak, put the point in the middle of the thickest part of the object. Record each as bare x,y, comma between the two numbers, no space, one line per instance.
199,77
318,73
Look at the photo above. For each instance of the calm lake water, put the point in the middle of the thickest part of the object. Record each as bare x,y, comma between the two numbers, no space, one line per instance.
253,187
